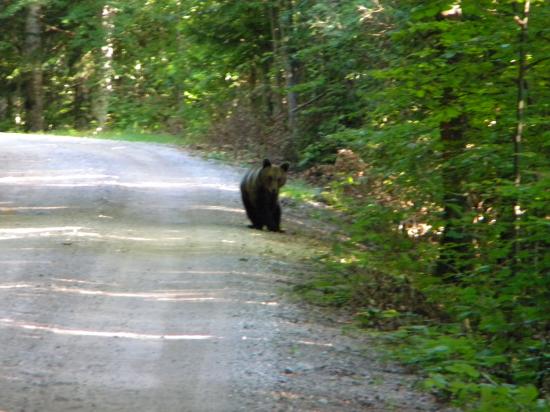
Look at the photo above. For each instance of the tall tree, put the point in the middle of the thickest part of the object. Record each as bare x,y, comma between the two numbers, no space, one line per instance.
291,66
522,22
455,244
34,94
104,66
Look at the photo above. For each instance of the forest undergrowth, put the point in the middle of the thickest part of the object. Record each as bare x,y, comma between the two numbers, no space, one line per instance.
475,351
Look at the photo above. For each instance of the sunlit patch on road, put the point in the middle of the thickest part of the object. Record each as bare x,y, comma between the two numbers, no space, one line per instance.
52,178
168,296
311,343
218,208
87,282
94,180
16,233
24,208
16,286
180,296
102,334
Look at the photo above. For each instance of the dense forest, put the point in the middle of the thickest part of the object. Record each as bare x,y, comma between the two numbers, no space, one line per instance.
426,122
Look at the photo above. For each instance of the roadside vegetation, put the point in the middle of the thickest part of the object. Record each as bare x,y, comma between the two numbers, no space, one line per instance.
424,124
125,135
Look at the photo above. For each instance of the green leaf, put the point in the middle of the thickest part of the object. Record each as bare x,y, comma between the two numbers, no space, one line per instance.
463,369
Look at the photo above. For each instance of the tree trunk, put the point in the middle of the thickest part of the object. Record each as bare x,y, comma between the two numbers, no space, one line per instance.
518,137
4,106
34,93
180,95
105,69
291,67
455,247
79,103
275,24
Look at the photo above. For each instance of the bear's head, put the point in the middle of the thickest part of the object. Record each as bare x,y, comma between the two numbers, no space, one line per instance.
273,177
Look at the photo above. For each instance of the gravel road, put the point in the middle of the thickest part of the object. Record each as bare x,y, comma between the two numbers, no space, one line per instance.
130,282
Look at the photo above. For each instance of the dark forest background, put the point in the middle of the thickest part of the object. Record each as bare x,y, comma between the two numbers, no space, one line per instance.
426,123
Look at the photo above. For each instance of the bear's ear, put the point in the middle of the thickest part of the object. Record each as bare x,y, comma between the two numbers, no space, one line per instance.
285,166
267,163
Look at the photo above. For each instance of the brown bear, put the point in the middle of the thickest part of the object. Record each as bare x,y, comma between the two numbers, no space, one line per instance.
260,193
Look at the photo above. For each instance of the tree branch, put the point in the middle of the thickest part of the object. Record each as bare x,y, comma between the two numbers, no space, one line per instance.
532,64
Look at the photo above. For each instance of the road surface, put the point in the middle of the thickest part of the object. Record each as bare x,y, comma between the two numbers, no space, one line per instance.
130,282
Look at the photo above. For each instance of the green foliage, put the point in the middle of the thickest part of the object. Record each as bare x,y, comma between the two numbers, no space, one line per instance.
327,290
424,199
442,222
300,191
458,370
324,150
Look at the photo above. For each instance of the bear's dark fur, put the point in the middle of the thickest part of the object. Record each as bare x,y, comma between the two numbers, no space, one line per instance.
260,193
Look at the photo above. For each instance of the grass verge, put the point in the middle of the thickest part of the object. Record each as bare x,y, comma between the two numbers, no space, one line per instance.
127,135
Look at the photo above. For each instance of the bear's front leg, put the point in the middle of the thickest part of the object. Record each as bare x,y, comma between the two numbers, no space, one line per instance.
269,218
274,222
252,212
277,217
